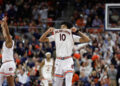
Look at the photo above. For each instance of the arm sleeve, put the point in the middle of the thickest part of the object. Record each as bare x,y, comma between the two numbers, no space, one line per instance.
76,38
51,38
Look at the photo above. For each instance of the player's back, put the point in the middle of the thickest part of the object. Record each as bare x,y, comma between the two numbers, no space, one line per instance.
64,42
7,53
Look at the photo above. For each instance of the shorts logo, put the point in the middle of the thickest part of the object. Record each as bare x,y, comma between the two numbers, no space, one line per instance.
10,69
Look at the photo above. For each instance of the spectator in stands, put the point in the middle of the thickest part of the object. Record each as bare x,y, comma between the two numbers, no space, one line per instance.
43,12
17,83
23,78
89,22
112,73
96,22
84,79
20,49
80,22
93,60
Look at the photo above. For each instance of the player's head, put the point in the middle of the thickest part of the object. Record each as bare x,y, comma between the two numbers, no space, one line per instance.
66,25
48,55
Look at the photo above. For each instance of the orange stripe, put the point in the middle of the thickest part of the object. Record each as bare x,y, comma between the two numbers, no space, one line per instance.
69,71
6,73
58,75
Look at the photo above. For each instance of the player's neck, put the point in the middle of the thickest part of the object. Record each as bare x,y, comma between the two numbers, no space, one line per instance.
48,59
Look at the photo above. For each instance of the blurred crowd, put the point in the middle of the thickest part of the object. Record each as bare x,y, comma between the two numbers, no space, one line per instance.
97,64
25,12
88,14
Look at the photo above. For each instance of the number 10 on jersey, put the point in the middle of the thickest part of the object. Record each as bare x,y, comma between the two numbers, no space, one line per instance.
62,37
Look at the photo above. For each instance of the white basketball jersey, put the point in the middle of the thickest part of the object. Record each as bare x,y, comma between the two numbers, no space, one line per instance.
7,53
64,41
47,68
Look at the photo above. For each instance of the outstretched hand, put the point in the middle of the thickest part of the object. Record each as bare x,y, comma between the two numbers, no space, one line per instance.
3,21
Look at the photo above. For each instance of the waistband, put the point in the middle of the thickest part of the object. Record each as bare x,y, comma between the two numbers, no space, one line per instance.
63,58
7,61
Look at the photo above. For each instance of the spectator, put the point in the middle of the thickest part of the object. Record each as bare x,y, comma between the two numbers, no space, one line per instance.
75,78
17,83
96,22
84,79
112,73
89,22
80,22
20,49
23,78
43,12
92,61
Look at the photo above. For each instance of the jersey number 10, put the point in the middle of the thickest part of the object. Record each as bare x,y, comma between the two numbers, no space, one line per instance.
62,37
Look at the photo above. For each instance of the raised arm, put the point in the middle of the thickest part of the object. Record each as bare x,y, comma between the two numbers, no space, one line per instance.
6,33
83,38
44,38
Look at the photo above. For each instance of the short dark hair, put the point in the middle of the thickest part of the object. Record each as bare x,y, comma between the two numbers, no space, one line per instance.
68,24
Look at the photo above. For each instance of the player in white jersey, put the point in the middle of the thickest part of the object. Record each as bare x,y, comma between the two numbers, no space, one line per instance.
64,41
46,70
8,65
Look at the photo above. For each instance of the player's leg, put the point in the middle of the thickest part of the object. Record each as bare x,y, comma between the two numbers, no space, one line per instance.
1,79
68,79
50,84
68,72
58,81
1,75
58,74
50,81
9,72
10,80
45,82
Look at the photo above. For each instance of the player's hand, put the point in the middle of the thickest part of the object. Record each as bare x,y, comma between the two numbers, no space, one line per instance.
3,21
51,29
74,29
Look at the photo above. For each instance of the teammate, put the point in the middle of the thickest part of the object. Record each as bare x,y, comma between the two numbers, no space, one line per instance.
64,41
46,70
8,65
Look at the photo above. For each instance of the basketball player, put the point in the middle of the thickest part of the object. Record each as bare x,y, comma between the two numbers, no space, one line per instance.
8,65
46,70
64,41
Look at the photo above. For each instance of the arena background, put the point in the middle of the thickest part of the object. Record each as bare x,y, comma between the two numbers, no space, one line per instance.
29,19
